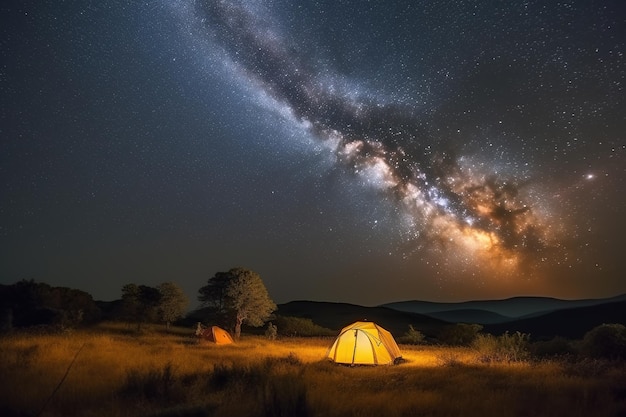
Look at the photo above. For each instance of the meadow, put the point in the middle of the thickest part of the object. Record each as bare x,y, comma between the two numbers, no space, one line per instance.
113,371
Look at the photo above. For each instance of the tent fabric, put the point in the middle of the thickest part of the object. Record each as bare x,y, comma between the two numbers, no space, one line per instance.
364,343
216,335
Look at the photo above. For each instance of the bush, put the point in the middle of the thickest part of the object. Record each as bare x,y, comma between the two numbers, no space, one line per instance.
606,341
505,348
412,337
558,346
297,326
460,334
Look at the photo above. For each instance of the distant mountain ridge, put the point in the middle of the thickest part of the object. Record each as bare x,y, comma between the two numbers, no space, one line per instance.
571,323
335,316
512,308
470,316
542,318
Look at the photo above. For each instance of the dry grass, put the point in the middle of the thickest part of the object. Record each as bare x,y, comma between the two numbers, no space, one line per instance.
118,373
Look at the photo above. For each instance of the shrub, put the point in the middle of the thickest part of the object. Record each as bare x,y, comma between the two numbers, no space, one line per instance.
505,348
412,336
606,341
558,346
298,326
460,334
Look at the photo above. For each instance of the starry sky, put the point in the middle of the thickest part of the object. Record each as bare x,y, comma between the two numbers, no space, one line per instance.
353,151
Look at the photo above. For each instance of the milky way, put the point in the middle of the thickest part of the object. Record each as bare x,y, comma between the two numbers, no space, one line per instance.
448,201
447,149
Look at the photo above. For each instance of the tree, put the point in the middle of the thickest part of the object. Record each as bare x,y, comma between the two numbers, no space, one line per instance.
214,293
240,296
173,303
31,303
140,303
247,297
213,298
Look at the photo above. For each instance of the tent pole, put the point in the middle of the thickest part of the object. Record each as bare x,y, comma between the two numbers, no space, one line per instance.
355,340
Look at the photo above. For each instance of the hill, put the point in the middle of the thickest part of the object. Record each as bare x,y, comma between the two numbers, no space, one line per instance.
338,315
511,307
570,323
546,317
470,316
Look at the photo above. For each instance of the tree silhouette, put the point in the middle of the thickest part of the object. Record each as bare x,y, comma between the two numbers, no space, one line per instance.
140,303
240,296
28,303
173,302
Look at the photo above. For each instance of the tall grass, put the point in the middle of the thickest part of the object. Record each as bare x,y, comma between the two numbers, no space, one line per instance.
509,347
119,373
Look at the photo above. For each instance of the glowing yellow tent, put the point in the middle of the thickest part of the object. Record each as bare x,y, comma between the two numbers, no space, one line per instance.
364,343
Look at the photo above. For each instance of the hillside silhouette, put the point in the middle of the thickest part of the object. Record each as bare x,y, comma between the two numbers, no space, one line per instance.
515,307
338,315
542,318
571,323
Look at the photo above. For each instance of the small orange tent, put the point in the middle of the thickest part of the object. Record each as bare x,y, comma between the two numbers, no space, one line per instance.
364,343
216,335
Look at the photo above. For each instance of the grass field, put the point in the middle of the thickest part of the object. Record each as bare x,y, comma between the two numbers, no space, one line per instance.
115,372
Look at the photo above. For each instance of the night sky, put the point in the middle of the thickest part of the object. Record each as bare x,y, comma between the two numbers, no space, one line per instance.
354,151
